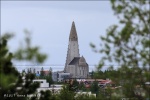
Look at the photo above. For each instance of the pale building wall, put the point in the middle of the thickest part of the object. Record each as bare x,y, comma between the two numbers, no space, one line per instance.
72,70
73,51
82,71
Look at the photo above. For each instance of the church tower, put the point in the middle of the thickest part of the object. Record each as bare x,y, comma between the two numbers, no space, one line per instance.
75,65
73,47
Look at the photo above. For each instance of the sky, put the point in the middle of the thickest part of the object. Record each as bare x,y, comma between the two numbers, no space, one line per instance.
50,24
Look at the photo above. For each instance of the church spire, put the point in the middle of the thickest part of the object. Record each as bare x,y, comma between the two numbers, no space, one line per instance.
73,33
73,47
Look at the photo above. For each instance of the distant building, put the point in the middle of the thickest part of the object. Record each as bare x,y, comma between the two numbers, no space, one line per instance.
37,75
75,65
55,76
62,76
44,86
46,72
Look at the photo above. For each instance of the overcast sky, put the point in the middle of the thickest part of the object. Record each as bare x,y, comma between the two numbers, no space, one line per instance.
50,24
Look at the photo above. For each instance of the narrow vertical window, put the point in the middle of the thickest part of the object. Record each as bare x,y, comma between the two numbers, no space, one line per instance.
80,72
83,72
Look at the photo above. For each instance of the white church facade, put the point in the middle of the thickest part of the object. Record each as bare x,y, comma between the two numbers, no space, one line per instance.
75,65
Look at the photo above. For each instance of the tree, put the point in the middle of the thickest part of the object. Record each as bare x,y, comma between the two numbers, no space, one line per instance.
82,86
73,85
29,53
66,94
47,95
95,87
42,73
49,78
85,97
8,73
11,84
130,41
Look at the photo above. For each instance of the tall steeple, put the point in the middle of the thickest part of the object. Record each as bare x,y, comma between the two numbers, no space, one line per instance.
73,47
73,33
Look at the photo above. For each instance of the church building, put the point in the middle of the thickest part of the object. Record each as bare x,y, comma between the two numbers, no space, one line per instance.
75,65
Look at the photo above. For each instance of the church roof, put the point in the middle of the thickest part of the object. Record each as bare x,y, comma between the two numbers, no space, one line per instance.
78,60
82,59
74,61
73,33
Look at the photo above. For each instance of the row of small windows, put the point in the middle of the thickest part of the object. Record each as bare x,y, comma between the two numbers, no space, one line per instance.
82,68
81,72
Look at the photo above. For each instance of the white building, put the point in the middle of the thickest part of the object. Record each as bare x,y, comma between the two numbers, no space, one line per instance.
54,88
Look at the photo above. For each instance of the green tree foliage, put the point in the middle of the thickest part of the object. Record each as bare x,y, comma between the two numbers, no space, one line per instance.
12,87
86,97
95,87
81,86
42,73
8,73
28,52
66,94
128,46
47,95
73,85
49,78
